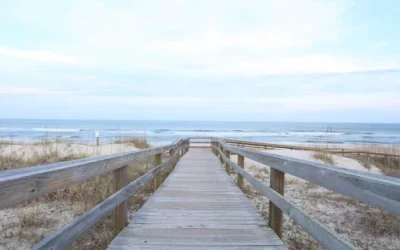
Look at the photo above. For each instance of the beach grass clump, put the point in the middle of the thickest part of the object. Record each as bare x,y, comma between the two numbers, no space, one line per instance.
101,234
30,217
324,157
28,223
38,154
138,142
389,163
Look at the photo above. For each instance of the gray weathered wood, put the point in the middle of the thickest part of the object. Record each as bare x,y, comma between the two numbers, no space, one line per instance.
330,150
120,180
326,237
26,183
157,161
227,154
197,207
239,178
64,237
377,190
277,183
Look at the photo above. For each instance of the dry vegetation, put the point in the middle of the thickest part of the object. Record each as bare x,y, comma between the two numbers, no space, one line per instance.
26,224
324,157
362,225
389,165
138,142
40,153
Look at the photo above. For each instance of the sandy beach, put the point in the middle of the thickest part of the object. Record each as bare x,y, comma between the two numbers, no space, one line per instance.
362,225
24,225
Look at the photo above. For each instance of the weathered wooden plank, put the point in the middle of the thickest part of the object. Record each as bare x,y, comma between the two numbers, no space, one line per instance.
26,183
294,147
277,182
227,153
377,190
157,180
326,237
197,206
183,247
120,180
239,178
64,237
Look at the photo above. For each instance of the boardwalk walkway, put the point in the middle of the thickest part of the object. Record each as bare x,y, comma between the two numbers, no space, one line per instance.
197,207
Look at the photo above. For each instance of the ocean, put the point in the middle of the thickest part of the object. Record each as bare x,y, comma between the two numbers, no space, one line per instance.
168,131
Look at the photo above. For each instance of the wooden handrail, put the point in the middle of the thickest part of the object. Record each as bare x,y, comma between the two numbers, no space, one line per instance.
377,190
294,147
26,183
64,237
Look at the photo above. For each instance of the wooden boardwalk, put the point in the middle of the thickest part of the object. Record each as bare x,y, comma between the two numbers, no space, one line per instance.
197,207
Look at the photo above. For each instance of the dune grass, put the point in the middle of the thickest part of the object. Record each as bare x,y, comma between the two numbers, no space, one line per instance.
29,222
387,164
138,142
324,157
40,153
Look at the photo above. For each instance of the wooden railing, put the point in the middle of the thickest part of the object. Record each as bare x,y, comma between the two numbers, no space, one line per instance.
26,183
377,190
335,150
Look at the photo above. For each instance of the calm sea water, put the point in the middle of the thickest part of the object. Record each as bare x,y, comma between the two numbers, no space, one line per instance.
167,131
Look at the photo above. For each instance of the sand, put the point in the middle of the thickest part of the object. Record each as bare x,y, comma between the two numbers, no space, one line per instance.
340,161
42,218
29,150
360,224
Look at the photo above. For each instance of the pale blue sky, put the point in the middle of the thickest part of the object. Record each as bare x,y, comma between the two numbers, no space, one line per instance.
201,60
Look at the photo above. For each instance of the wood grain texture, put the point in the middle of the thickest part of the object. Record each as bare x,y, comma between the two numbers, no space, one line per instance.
277,183
342,151
26,183
157,161
64,237
227,153
120,180
197,207
326,237
377,190
239,178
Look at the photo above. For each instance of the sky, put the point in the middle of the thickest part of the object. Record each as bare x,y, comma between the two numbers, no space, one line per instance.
253,60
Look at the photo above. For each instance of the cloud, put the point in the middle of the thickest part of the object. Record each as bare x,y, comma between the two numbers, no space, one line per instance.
27,90
315,101
42,56
205,37
254,56
248,37
320,101
162,101
307,64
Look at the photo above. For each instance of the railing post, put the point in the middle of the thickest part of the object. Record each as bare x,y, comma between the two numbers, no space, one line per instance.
228,155
220,156
157,180
277,182
120,179
239,178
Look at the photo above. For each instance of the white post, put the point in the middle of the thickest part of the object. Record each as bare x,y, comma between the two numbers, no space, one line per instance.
97,135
